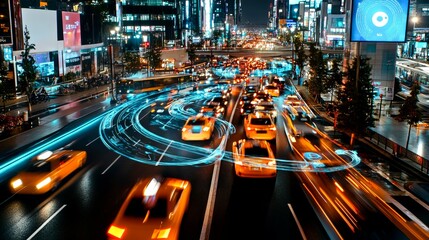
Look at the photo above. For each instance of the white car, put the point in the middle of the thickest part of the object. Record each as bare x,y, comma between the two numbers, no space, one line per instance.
260,125
254,159
198,127
153,209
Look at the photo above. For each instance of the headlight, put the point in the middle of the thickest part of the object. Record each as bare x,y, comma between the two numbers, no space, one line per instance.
206,129
43,183
17,183
184,129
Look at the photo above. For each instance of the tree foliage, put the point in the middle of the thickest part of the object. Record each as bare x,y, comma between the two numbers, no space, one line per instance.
318,73
300,56
355,98
132,62
29,69
409,111
154,57
335,77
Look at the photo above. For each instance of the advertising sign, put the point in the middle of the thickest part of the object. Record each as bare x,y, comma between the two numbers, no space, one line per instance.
379,20
5,23
71,29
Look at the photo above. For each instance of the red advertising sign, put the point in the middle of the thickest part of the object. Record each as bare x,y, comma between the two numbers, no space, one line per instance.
71,29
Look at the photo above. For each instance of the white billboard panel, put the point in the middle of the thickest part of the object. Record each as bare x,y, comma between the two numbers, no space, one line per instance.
42,27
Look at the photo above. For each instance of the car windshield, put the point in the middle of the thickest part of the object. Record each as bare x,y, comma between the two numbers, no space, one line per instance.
40,166
260,121
196,122
257,152
270,87
136,208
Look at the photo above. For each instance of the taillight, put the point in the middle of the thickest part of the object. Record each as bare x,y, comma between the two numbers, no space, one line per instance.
116,232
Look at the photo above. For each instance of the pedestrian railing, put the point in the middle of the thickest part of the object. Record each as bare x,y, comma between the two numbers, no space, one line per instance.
399,151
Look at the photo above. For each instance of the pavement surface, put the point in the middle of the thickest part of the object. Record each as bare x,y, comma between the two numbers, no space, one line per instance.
51,116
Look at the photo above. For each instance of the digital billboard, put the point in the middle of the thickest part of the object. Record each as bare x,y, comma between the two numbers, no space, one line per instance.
41,25
5,23
71,29
379,20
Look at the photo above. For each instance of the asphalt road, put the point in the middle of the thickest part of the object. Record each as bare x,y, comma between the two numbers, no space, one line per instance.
222,206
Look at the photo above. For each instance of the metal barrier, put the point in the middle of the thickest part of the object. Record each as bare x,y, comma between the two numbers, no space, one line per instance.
399,151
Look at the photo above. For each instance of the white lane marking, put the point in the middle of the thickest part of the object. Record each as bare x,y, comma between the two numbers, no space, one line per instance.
297,222
162,155
205,231
46,222
110,165
92,141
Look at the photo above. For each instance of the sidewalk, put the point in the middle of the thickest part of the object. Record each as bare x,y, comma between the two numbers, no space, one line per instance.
52,115
387,127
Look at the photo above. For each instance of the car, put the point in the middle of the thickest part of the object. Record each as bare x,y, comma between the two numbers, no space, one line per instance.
212,110
261,96
153,209
291,100
272,90
267,107
46,171
198,127
220,99
245,99
247,109
251,89
160,106
422,125
260,125
254,159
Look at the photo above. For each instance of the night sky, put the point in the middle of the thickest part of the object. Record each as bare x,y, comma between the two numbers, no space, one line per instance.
255,12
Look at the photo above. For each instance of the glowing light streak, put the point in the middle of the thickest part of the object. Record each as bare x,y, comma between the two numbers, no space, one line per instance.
136,149
20,159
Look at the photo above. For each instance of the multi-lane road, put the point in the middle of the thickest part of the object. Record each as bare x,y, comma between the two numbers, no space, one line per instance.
129,143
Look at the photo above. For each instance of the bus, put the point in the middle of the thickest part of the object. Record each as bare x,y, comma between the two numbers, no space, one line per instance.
139,85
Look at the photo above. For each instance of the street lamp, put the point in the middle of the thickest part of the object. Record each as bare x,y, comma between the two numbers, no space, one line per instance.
414,20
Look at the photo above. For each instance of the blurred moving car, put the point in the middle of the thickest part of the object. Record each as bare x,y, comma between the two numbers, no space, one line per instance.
422,125
292,100
254,159
47,170
267,107
153,209
198,127
212,110
260,125
247,109
272,90
160,106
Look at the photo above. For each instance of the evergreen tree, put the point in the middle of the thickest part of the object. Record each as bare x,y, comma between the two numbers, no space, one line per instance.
29,69
132,62
355,99
300,56
335,77
154,57
409,111
318,73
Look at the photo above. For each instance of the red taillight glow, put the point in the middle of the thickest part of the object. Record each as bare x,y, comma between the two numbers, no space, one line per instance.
116,232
